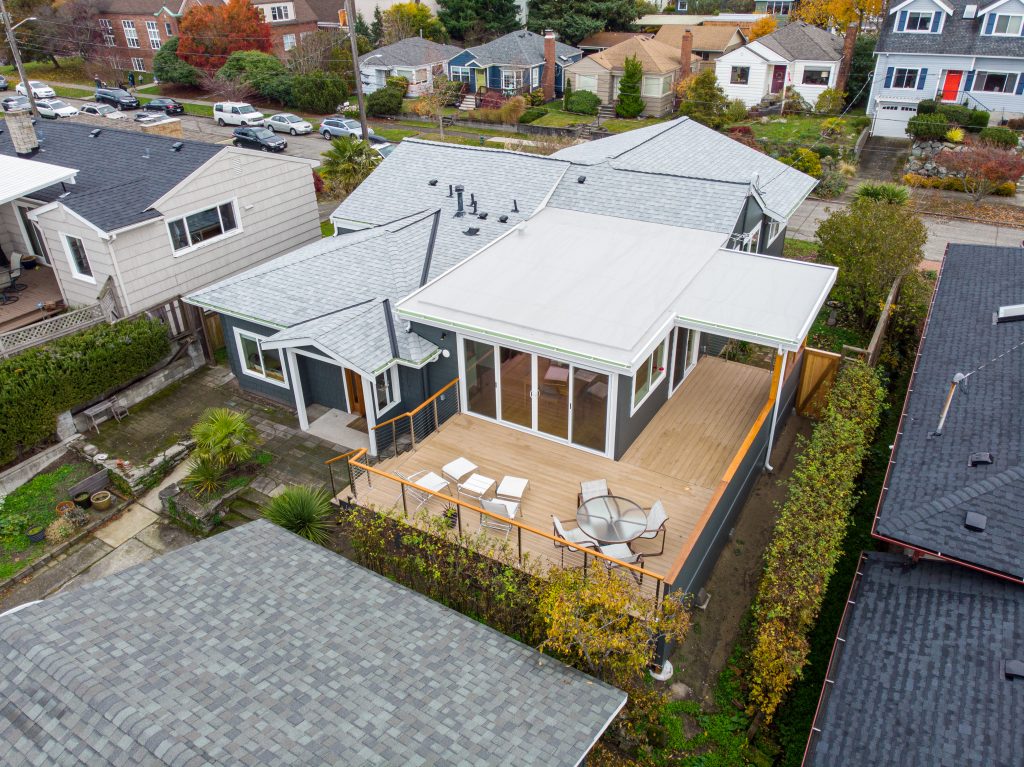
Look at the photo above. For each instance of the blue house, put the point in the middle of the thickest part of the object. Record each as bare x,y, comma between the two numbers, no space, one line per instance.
512,64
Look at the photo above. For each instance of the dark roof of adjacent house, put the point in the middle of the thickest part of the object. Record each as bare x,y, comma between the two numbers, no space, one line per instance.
519,48
410,52
176,7
960,36
714,38
931,485
918,679
257,647
120,172
800,41
601,40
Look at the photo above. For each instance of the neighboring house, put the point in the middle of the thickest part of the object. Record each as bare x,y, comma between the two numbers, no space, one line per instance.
289,20
710,41
155,217
954,51
742,20
774,7
603,40
308,658
601,73
134,30
513,64
414,58
930,654
799,55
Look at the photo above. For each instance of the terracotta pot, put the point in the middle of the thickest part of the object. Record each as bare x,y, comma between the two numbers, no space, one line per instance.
101,500
64,507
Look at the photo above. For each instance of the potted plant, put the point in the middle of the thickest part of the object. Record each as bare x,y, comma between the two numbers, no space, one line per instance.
64,507
101,500
451,515
28,261
82,500
36,534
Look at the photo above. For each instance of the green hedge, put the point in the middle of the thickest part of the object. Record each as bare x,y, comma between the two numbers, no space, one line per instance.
582,102
928,126
533,113
1001,137
963,116
40,383
384,102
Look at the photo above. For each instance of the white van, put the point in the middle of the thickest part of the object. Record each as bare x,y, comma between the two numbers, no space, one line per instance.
236,113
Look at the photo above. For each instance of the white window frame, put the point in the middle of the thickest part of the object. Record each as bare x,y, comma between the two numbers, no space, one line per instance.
391,374
906,70
775,228
233,202
131,34
65,240
462,74
995,25
516,76
288,42
927,15
663,85
732,75
138,64
983,74
779,7
826,70
654,377
153,32
108,32
682,6
588,79
535,77
280,12
243,368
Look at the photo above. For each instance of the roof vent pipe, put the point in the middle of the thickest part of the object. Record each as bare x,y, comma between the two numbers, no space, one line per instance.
515,206
449,190
949,401
460,210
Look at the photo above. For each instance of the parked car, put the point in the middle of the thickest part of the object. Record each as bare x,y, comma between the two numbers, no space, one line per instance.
263,139
3,83
39,90
236,113
102,110
286,122
147,117
11,103
167,106
341,126
118,98
54,108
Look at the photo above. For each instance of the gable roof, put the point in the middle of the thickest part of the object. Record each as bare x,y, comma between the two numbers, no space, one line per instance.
917,680
410,52
653,56
959,36
116,183
296,656
602,40
800,41
520,48
930,486
706,37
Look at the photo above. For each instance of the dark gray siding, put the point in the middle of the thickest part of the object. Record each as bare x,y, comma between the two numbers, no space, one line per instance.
750,217
441,371
322,382
254,385
628,428
775,249
712,344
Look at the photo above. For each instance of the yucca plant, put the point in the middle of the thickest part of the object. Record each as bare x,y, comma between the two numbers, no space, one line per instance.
302,510
883,191
225,437
205,477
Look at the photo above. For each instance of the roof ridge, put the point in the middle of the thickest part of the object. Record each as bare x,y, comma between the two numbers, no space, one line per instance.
961,495
463,147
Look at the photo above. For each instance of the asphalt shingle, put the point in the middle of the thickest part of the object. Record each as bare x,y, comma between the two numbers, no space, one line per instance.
256,647
520,48
410,52
800,41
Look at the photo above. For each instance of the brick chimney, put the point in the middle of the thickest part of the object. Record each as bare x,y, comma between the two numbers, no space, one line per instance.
686,53
549,64
23,133
846,62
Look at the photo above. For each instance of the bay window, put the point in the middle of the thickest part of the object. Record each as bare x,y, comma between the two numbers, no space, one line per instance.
202,226
656,86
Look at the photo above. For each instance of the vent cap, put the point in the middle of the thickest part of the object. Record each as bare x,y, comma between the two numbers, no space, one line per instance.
975,522
971,12
177,146
472,231
1010,313
95,132
432,182
979,459
1013,668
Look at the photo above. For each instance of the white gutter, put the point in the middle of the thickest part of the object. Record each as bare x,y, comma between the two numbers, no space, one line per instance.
775,412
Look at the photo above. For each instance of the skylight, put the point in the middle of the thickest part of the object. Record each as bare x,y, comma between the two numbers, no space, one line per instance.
1010,313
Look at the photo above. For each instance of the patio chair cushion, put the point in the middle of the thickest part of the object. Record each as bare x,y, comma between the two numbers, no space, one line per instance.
619,551
512,488
458,469
594,488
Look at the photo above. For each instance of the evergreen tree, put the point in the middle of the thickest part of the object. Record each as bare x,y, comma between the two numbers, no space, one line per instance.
630,103
377,27
474,21
574,21
362,28
705,101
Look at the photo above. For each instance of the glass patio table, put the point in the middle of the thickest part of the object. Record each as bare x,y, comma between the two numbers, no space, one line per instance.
611,519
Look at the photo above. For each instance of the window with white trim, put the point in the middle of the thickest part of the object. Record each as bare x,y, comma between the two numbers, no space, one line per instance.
462,74
904,78
511,79
108,32
778,7
1006,25
287,42
739,76
280,13
535,77
919,21
817,75
650,373
138,64
77,258
202,226
586,83
153,31
657,85
774,229
385,389
258,362
131,36
995,82
682,6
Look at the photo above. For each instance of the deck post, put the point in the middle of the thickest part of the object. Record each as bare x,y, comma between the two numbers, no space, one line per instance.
780,368
436,424
519,534
394,437
351,479
412,432
405,507
334,491
458,516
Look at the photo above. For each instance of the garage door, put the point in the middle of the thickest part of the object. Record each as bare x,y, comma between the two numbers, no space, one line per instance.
891,120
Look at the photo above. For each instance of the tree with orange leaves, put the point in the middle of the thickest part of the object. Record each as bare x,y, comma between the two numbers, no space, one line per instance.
208,34
836,14
763,26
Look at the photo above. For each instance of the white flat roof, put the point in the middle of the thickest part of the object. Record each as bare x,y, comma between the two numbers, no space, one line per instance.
20,177
605,289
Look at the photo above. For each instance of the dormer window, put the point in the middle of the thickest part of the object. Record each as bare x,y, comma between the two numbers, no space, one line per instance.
919,22
1003,24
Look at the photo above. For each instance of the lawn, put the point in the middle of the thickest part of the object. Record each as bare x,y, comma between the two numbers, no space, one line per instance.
394,134
557,118
801,129
799,250
69,71
326,228
621,125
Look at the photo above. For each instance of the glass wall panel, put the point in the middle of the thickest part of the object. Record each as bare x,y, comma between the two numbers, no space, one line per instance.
516,384
679,347
589,409
480,378
553,397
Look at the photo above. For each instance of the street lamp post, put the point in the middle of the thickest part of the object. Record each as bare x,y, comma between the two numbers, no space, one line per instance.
13,41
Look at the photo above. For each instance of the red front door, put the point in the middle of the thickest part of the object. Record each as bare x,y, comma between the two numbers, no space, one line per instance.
951,85
778,77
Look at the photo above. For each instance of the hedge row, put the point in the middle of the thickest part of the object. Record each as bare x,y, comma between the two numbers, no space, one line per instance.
40,383
964,116
954,184
808,536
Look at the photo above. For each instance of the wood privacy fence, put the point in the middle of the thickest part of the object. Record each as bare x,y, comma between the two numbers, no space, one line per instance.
816,378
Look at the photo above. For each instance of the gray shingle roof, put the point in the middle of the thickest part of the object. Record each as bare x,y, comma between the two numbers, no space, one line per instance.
800,41
917,681
410,52
960,36
931,486
520,48
115,184
257,647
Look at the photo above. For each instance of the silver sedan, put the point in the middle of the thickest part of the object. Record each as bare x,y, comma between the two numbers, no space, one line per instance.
286,122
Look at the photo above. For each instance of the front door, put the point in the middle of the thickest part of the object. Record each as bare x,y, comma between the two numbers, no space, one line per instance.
951,85
778,78
354,382
481,79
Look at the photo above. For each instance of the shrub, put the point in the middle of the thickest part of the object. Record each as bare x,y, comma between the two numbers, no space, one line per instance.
859,122
59,530
566,93
263,72
927,106
1000,137
884,191
986,165
705,101
833,126
532,114
68,372
1016,123
825,150
318,92
832,184
830,102
399,83
928,127
536,97
318,183
224,437
736,111
303,511
963,116
582,102
630,104
953,184
955,135
205,477
512,110
168,68
741,130
806,161
78,517
384,102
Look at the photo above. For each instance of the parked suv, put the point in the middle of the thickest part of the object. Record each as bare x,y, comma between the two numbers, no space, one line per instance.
118,98
339,126
236,113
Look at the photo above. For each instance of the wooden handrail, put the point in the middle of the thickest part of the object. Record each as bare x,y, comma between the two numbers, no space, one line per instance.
419,407
329,461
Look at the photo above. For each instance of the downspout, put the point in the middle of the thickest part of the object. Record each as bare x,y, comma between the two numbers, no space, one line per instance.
775,412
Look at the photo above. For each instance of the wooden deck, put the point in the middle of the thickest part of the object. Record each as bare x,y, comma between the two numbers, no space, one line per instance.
41,287
678,459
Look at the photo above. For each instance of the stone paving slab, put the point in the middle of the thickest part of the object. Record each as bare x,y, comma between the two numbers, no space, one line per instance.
132,552
57,574
162,537
126,526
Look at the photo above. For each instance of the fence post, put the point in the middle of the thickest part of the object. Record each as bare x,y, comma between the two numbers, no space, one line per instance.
412,431
334,491
405,508
394,437
436,424
519,532
458,516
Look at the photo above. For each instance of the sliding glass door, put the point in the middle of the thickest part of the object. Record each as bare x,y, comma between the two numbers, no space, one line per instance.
684,354
481,380
553,397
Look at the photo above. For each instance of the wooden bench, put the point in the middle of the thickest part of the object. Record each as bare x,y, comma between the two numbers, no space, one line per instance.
91,484
114,405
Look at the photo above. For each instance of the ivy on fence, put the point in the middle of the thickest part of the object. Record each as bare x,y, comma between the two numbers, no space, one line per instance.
808,536
38,384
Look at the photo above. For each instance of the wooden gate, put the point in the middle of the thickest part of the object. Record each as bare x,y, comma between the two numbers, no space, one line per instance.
816,378
214,331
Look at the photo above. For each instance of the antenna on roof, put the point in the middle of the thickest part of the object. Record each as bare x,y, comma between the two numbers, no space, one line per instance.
515,206
957,379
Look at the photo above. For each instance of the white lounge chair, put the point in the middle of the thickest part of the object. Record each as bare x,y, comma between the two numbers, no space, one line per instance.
575,535
498,506
656,519
594,488
425,479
